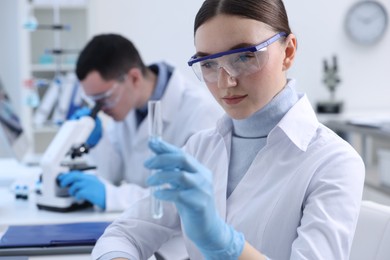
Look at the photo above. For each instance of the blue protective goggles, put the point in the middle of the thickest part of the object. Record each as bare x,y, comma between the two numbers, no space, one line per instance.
109,98
237,62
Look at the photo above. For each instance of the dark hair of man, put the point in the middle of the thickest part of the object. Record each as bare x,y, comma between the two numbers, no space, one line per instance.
111,55
270,12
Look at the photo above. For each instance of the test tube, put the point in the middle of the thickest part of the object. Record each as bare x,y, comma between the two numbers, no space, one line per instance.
155,132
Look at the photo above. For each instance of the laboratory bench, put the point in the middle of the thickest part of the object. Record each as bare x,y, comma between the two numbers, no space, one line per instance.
367,134
25,212
16,212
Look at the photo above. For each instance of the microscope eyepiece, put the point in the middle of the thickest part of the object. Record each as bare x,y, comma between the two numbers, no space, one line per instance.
96,109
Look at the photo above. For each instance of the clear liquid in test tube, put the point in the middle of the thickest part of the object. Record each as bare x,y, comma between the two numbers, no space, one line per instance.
155,131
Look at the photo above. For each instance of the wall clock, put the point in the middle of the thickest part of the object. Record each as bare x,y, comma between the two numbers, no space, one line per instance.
366,22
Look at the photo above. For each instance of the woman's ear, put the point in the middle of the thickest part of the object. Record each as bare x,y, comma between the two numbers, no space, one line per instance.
290,49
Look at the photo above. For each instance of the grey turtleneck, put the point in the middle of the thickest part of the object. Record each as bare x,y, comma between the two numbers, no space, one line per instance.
250,134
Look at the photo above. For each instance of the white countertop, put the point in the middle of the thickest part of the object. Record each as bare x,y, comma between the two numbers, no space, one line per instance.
25,212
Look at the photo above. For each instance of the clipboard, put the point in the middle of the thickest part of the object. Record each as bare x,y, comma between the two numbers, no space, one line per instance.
67,238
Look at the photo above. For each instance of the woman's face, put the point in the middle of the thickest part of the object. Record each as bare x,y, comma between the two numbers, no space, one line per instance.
242,96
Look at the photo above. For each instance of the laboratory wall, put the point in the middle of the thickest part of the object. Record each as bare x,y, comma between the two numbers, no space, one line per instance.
161,30
319,26
164,30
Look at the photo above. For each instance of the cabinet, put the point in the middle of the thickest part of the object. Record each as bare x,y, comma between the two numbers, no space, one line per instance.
46,65
67,13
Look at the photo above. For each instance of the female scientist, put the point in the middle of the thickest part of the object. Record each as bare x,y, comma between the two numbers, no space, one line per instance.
270,181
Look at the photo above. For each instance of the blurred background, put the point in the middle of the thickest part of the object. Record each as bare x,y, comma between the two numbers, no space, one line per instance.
163,30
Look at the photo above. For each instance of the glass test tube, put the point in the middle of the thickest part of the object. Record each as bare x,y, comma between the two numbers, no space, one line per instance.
155,131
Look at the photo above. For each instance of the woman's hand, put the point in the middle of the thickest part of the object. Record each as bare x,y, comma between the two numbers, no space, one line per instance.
191,189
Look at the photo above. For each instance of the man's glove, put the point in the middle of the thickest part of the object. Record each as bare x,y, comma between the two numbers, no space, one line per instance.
84,186
96,134
191,189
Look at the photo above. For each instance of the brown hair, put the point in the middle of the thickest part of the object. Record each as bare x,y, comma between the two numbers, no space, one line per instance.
270,12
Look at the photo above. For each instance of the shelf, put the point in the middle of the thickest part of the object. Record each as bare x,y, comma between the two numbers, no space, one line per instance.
44,65
63,4
63,7
51,67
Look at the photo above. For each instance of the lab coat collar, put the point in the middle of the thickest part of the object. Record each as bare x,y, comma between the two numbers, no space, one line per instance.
224,125
163,72
299,124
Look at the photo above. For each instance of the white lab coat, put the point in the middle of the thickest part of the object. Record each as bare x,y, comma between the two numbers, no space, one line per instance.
299,199
186,109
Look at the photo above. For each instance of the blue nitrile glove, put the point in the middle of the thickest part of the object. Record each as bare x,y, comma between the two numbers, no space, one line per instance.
192,192
84,186
96,134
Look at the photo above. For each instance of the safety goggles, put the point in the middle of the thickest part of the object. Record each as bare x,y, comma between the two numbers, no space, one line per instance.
237,62
109,98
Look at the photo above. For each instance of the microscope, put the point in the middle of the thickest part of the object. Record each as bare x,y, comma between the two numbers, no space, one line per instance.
68,144
331,81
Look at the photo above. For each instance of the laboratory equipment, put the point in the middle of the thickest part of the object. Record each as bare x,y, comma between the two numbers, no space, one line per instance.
14,141
155,132
68,144
21,192
31,22
58,99
331,81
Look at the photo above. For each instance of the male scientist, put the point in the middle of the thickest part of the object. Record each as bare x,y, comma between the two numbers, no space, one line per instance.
112,72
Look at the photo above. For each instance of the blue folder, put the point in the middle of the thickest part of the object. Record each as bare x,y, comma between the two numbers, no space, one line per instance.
53,235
